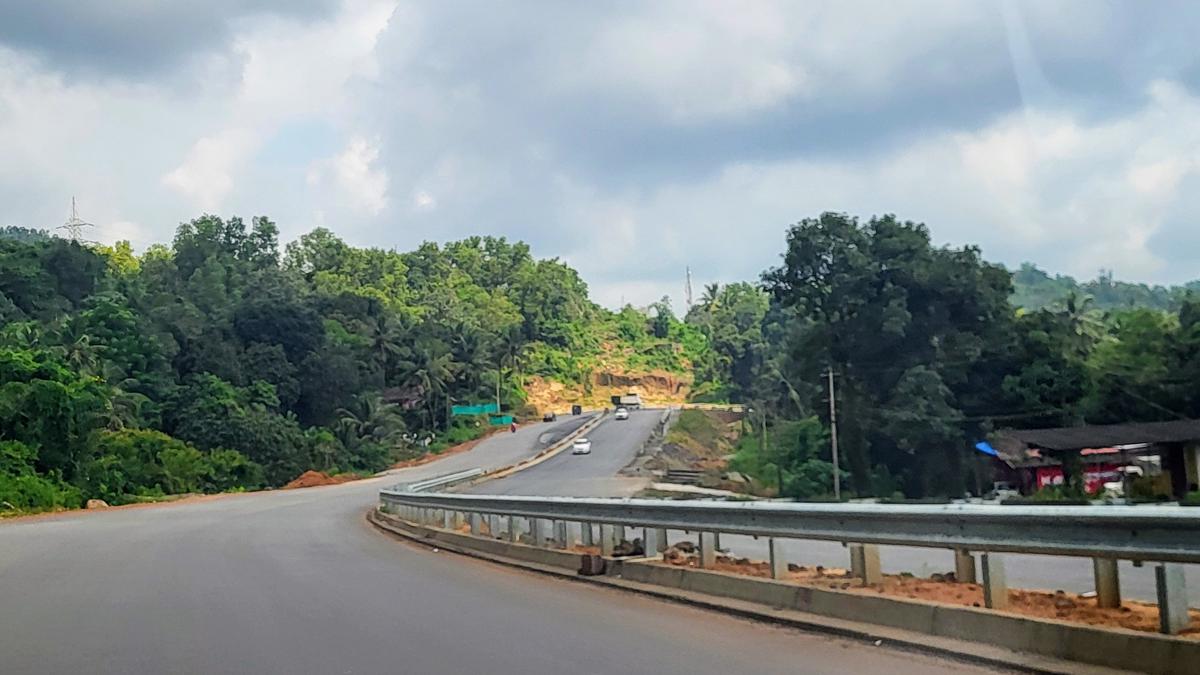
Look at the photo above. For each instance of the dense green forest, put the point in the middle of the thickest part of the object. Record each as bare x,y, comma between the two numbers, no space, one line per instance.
223,363
1035,289
929,355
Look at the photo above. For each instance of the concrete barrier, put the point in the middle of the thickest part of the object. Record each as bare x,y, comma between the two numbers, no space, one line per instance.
1110,647
497,547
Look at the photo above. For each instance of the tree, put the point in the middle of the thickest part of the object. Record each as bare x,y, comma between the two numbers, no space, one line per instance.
876,300
429,371
386,343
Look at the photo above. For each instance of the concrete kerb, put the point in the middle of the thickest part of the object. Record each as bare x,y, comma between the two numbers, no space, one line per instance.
621,572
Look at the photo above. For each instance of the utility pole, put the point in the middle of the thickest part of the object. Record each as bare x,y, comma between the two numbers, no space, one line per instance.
498,367
837,478
688,289
763,442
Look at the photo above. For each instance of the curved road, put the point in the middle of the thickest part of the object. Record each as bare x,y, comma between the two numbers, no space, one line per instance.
614,444
296,582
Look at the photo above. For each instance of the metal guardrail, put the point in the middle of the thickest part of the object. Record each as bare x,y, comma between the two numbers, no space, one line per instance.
1160,534
684,476
444,480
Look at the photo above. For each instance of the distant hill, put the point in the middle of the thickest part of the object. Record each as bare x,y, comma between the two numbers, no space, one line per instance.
23,234
1034,289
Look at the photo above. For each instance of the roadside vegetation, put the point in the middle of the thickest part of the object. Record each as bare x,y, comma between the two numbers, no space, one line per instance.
221,362
932,348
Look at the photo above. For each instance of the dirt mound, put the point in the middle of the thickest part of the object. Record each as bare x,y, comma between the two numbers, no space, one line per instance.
317,478
656,388
700,440
1060,605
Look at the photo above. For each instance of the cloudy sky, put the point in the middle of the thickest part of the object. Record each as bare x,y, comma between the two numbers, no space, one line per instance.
631,139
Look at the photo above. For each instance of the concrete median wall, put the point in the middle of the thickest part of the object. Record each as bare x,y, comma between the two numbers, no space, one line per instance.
1113,648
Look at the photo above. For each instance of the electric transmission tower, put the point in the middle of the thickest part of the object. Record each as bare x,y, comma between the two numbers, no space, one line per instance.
74,225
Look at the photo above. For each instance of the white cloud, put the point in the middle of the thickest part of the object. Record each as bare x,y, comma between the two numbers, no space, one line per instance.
1078,195
637,142
206,175
358,176
423,201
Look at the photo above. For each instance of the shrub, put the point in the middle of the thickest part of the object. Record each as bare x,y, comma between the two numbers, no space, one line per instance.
31,493
1052,494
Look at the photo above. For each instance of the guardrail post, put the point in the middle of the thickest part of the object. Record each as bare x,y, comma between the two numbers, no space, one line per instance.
708,549
995,585
864,563
493,521
964,566
447,520
538,527
560,534
1108,582
514,529
779,568
608,535
458,520
651,542
585,535
476,524
660,540
1172,598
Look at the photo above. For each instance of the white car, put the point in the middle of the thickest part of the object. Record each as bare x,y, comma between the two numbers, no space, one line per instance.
581,446
622,414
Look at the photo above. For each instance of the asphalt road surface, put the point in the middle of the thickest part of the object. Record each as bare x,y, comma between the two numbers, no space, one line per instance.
614,444
297,582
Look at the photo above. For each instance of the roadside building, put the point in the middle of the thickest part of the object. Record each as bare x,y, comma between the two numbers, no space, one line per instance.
1163,455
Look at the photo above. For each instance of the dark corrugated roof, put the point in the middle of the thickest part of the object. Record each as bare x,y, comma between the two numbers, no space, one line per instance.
1106,435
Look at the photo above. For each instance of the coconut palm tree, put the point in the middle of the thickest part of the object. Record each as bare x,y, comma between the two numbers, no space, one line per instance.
386,343
430,368
1083,320
369,418
76,348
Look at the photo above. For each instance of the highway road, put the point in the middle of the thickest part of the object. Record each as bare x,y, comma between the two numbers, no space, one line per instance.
297,582
614,444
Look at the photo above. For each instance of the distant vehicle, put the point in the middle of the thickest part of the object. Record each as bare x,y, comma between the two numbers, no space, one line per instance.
630,400
581,446
549,417
576,409
1001,491
1116,488
622,413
